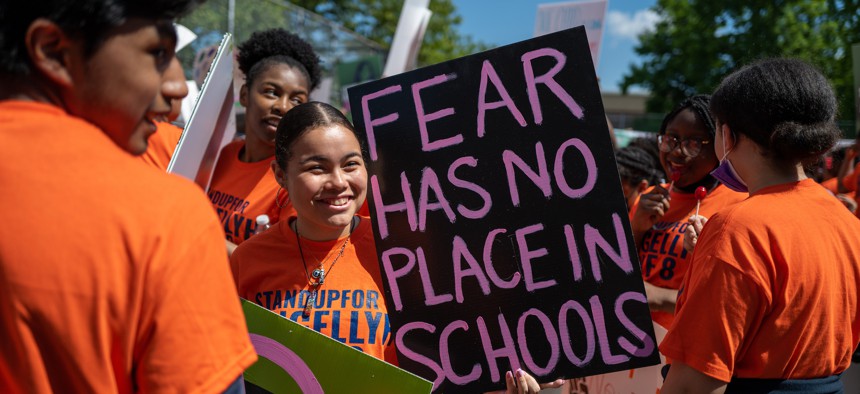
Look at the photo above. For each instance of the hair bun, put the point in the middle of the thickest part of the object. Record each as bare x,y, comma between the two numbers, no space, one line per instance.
795,141
279,42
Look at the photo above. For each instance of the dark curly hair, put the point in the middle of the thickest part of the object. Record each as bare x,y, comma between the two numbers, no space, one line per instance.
90,20
699,104
278,46
786,106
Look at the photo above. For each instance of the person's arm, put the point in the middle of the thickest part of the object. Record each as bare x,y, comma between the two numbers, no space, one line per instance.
684,379
848,202
720,308
660,298
237,387
230,248
846,170
181,346
691,235
649,209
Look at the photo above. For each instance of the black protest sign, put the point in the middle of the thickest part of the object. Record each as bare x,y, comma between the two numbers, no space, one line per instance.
500,223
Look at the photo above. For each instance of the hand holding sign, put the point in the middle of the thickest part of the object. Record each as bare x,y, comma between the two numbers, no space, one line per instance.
520,382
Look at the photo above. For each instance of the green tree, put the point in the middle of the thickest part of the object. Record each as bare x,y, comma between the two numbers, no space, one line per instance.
698,42
377,21
374,20
210,22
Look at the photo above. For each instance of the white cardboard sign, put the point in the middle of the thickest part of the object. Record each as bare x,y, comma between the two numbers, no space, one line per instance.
211,125
555,17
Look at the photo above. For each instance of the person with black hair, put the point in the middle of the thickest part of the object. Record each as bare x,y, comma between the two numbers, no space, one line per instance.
650,146
98,271
770,301
323,248
638,169
280,71
659,217
162,144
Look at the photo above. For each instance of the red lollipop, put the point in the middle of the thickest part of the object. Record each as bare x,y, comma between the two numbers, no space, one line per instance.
674,175
701,192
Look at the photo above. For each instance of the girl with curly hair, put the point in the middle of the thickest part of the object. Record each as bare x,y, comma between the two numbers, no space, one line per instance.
280,71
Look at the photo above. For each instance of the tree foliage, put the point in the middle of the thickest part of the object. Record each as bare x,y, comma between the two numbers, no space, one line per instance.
698,42
375,20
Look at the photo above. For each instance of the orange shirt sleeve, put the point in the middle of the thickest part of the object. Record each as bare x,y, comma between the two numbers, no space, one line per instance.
717,308
161,145
188,293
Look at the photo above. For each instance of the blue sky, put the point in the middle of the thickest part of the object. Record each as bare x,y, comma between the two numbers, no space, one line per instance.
501,22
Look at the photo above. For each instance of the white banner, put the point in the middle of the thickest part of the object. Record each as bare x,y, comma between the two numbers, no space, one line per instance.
408,37
211,125
553,17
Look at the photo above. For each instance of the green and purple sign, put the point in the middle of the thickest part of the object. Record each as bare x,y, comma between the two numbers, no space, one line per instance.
296,359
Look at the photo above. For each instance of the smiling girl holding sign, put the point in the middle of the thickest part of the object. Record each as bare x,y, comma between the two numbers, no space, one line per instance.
319,266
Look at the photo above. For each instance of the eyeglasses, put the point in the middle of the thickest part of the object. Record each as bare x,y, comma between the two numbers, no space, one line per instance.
691,147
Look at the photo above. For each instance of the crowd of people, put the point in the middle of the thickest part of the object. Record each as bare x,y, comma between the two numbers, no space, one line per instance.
749,256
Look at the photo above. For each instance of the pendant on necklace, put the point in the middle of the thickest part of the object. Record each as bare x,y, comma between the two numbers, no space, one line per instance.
309,305
319,275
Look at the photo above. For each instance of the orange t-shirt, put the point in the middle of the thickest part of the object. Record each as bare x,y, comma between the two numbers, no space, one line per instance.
269,270
161,145
772,290
662,255
241,191
102,275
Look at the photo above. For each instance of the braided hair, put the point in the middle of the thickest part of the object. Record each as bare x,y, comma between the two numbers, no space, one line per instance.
278,46
700,105
636,164
650,146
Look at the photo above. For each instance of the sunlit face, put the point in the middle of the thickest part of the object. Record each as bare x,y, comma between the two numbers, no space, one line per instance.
118,88
685,125
174,88
326,180
271,94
